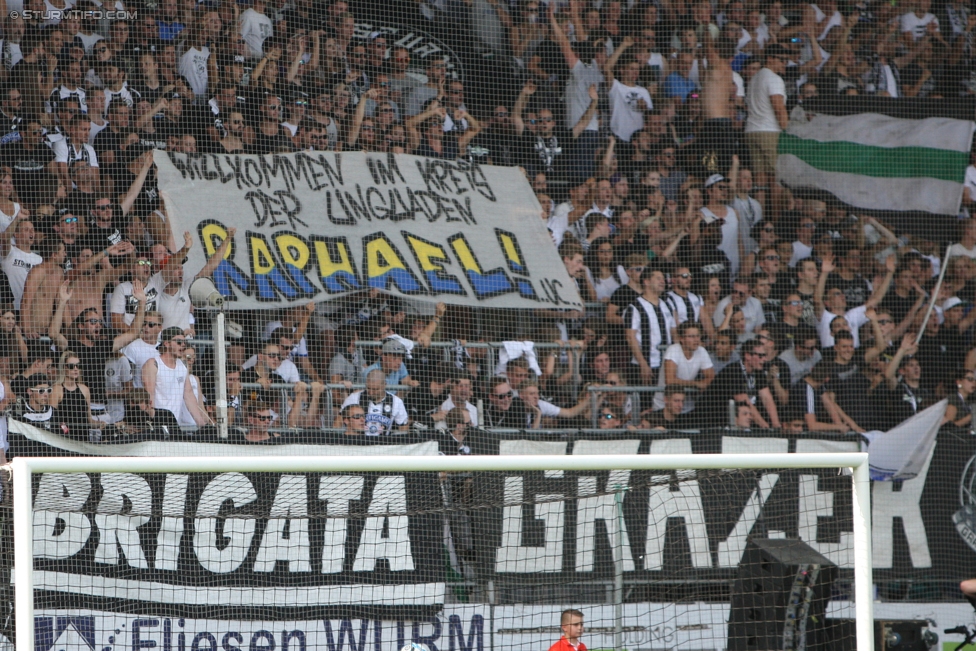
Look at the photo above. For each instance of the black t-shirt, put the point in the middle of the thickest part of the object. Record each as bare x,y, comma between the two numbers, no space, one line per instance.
100,238
264,144
785,334
551,154
804,399
904,402
856,290
29,169
420,403
93,364
498,146
148,199
851,388
732,381
515,417
80,203
898,307
163,424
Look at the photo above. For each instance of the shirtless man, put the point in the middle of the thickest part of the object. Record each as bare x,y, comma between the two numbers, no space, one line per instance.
718,96
41,289
91,275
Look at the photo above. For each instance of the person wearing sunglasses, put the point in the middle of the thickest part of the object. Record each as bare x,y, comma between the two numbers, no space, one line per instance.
166,378
34,405
742,381
272,366
71,397
504,408
143,419
260,419
959,411
354,420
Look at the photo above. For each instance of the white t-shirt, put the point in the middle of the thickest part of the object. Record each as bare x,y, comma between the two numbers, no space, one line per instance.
918,26
174,308
138,353
752,310
448,405
170,383
627,117
377,422
762,117
6,220
558,223
800,252
193,66
287,370
65,152
17,266
185,417
856,318
255,28
124,303
730,236
118,371
687,369
581,77
301,348
954,250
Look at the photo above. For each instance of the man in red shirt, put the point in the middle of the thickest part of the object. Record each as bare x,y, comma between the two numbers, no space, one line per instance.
571,621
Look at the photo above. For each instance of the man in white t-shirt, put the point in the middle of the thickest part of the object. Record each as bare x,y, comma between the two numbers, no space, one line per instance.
123,305
716,209
686,364
255,28
766,103
916,24
173,289
965,246
628,100
743,299
18,258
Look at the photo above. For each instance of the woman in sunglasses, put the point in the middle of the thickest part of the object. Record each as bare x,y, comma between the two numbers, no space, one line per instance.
959,412
71,397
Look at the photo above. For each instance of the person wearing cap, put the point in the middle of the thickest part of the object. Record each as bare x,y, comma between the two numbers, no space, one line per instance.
903,378
385,412
716,209
766,103
392,354
165,377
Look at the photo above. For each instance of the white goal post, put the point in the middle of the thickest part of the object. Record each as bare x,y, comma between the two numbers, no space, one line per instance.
24,468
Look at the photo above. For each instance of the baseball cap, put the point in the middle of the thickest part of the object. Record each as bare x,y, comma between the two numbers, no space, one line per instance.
955,301
393,347
713,179
169,334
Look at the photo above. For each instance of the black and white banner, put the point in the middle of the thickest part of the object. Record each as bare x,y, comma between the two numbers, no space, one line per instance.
314,545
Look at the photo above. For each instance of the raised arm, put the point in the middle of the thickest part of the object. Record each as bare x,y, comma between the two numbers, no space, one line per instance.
54,332
135,188
818,294
612,61
130,335
561,39
218,255
881,289
357,120
528,90
474,128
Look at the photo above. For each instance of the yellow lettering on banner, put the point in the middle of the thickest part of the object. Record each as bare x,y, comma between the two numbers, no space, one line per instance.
208,233
294,251
384,265
270,282
431,257
337,275
485,283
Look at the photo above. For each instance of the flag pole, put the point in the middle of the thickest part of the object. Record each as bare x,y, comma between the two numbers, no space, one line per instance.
935,294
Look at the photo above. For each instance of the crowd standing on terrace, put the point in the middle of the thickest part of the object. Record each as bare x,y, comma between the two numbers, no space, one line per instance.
648,132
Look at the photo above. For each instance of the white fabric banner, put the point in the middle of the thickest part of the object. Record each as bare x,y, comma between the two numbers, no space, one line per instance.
314,225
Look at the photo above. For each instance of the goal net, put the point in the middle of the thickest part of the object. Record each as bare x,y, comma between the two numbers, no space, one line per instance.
370,553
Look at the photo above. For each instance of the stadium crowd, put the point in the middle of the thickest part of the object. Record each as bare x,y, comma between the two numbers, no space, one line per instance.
648,131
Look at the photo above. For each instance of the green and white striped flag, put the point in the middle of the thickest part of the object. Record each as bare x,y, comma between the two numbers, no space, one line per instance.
877,162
